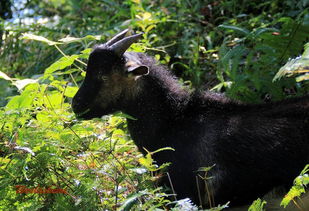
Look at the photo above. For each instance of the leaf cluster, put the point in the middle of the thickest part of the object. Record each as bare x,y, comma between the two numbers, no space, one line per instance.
236,47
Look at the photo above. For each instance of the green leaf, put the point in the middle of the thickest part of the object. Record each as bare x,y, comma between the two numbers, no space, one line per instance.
43,117
306,52
70,91
4,76
263,30
25,100
298,188
85,53
53,99
162,149
235,28
28,36
147,161
206,169
139,170
127,205
62,63
18,102
75,39
120,114
296,66
70,39
257,205
302,77
20,84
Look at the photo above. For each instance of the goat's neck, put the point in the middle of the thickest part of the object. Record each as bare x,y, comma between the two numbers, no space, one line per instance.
157,99
157,105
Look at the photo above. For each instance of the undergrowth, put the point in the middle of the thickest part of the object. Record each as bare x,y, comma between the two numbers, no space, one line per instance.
95,164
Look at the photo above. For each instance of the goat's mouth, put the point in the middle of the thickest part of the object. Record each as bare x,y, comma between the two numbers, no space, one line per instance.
91,113
88,114
81,115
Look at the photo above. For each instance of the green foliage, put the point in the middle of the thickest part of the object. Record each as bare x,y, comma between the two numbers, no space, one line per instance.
241,56
257,205
236,47
43,145
256,57
298,66
149,163
299,188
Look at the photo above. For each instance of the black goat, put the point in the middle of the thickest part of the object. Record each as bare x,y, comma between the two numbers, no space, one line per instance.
253,147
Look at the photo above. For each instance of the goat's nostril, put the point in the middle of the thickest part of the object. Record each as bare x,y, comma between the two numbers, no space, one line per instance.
82,112
74,105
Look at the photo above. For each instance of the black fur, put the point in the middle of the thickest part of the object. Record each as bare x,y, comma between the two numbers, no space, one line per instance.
254,147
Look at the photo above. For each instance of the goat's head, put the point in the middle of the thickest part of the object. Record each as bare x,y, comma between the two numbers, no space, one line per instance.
111,78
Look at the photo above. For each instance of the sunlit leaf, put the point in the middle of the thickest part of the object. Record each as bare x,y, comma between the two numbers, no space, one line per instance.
163,149
136,1
70,39
61,64
146,161
20,84
85,53
25,149
306,52
293,66
146,15
28,36
53,99
257,205
4,76
70,91
302,77
18,102
75,39
139,170
120,114
206,169
25,100
298,188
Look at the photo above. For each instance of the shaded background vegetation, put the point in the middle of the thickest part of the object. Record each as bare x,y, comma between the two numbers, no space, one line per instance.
231,46
239,44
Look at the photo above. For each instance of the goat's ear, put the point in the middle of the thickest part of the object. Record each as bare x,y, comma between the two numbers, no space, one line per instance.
138,70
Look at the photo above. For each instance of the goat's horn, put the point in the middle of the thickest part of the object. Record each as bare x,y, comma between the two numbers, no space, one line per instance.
117,37
122,45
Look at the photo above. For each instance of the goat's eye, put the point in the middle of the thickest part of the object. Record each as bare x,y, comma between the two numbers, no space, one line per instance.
104,78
